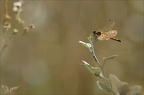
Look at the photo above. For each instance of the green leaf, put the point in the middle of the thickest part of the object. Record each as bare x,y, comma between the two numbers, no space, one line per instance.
113,78
103,86
87,45
103,77
110,57
117,85
94,70
91,37
133,90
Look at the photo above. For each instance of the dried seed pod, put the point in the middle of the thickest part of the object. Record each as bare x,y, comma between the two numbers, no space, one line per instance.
7,25
26,29
15,31
32,26
7,17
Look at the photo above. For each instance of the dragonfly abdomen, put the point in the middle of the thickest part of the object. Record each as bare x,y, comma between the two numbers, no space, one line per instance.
115,39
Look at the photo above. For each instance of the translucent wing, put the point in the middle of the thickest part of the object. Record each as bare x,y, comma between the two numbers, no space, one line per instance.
111,33
102,37
108,27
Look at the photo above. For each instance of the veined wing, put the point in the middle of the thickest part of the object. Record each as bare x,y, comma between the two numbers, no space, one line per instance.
111,33
108,27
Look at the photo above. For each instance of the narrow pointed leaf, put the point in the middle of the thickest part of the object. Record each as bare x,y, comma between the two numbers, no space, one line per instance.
87,45
108,58
93,70
103,77
102,86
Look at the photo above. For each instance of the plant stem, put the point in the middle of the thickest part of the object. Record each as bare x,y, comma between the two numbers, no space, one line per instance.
99,64
94,55
6,8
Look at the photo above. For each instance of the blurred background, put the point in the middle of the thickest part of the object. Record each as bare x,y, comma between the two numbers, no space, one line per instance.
47,60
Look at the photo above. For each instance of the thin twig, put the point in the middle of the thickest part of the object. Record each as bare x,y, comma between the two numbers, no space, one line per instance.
6,8
7,17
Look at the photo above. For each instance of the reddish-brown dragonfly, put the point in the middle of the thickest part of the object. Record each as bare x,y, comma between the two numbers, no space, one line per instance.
106,33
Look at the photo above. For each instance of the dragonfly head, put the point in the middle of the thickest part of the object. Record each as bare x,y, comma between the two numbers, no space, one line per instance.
97,33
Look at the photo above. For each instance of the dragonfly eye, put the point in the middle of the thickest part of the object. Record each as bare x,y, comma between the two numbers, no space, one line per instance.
98,33
94,32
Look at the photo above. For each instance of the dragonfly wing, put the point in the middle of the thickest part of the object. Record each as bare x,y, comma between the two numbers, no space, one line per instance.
111,33
108,27
102,37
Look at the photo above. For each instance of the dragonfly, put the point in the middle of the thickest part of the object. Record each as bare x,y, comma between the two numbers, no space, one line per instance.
106,33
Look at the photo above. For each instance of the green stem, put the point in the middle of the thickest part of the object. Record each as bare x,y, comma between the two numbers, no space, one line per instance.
99,64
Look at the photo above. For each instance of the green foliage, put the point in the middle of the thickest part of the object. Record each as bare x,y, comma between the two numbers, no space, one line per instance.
94,70
105,59
109,84
87,45
103,86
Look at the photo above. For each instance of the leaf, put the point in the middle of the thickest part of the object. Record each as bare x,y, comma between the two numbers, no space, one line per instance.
115,79
102,76
117,85
94,70
110,57
133,90
115,89
87,45
102,86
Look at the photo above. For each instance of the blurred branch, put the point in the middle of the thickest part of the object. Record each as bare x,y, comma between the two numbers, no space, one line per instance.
6,14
